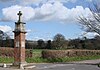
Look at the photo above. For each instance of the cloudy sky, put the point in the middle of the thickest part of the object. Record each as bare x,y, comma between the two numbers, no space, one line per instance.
45,18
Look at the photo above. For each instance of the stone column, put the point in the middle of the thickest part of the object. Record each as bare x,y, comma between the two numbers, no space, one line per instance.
19,42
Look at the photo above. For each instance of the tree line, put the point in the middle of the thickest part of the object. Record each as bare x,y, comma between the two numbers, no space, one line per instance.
58,42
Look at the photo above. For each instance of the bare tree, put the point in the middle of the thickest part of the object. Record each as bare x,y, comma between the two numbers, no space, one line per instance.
59,42
91,24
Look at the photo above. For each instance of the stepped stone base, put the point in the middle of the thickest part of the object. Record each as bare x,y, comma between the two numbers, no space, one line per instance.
20,65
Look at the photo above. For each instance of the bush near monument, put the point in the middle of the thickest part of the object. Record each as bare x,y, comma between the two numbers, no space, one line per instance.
9,52
49,54
37,57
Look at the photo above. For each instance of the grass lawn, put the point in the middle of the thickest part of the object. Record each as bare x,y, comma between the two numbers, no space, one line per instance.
6,60
67,59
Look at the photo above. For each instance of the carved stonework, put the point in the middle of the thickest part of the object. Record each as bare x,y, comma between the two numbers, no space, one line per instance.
19,26
20,14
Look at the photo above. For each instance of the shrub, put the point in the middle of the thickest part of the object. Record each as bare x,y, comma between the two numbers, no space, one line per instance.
49,54
9,52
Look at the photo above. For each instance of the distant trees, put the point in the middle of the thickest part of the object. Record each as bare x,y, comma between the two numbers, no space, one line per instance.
30,44
41,44
5,40
97,42
7,43
3,36
59,42
49,44
85,43
74,43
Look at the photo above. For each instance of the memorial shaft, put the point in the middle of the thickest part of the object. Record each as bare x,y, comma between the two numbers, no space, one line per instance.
19,41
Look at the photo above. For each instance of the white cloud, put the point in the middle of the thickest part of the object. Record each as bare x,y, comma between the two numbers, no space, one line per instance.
89,34
5,20
37,2
63,1
6,0
28,30
89,0
58,11
46,12
29,2
10,13
5,28
8,30
38,38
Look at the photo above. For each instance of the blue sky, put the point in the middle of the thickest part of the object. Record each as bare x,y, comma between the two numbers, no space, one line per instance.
45,18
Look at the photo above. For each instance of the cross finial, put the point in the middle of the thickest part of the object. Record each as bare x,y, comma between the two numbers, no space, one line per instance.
19,14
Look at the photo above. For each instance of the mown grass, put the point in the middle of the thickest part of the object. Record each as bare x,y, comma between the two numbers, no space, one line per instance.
67,59
6,60
41,60
36,60
37,50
